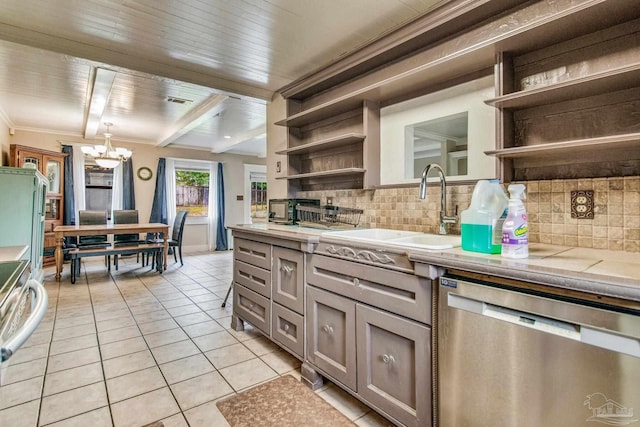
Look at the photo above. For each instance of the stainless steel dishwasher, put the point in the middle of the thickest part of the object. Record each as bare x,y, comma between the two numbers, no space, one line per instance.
508,357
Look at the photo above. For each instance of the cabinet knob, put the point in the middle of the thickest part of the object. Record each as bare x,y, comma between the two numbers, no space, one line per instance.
388,359
251,307
328,329
287,269
356,281
286,328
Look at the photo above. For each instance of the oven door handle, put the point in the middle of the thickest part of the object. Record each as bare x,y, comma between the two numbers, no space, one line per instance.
11,345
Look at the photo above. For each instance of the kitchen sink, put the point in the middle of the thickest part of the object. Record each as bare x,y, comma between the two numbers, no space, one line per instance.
412,239
377,234
429,241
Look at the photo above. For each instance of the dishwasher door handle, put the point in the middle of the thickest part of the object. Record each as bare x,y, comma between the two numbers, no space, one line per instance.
11,345
583,333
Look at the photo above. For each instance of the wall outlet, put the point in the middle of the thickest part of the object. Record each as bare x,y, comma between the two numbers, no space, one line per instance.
582,204
278,166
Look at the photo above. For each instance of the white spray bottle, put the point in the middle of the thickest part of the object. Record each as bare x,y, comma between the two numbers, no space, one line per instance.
515,230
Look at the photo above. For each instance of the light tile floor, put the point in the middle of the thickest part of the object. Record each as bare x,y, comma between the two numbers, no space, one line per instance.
133,347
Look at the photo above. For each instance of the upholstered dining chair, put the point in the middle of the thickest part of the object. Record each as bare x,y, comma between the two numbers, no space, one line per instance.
175,241
86,217
129,216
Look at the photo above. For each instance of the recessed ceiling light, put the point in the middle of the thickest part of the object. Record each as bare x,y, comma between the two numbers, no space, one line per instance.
227,137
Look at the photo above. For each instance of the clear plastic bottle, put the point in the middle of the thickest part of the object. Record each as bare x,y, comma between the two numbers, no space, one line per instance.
515,230
481,224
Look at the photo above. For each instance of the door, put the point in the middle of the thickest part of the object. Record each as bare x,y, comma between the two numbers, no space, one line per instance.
331,340
394,365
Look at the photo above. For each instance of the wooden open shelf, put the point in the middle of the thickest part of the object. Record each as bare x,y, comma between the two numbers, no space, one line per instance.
333,172
324,144
471,52
589,144
610,81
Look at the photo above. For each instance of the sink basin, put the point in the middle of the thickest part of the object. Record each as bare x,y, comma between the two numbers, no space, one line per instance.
429,241
374,234
413,239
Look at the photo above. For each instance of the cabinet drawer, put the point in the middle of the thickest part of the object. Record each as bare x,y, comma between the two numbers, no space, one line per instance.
287,328
400,293
394,365
254,253
287,275
331,330
254,278
253,308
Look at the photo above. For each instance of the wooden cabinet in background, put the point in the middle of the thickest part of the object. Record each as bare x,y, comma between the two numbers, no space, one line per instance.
51,165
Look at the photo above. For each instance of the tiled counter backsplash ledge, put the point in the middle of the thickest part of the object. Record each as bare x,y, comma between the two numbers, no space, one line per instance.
615,225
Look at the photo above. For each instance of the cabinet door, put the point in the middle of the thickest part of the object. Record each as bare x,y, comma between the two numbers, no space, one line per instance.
394,365
287,328
331,340
287,278
53,171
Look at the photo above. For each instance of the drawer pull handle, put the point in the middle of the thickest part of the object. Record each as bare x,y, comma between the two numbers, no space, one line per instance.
287,269
388,359
356,281
327,329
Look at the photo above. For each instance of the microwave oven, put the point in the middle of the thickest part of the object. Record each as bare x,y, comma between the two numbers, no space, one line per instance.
283,211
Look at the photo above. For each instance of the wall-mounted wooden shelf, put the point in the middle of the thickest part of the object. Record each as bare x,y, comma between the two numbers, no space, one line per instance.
324,144
595,84
580,145
333,172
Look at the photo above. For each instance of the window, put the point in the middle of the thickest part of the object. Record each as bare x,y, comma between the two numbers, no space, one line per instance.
192,191
98,187
258,195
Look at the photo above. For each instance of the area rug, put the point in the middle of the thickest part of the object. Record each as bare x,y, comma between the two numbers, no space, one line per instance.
283,402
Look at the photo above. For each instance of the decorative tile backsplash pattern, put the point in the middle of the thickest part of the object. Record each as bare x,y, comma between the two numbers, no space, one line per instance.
615,226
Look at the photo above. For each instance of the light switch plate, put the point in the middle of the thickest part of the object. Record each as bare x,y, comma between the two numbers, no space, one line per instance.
582,204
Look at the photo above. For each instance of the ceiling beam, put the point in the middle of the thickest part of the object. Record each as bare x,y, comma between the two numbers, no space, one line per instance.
102,84
177,70
194,118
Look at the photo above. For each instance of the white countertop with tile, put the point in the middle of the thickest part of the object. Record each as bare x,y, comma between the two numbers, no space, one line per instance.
608,273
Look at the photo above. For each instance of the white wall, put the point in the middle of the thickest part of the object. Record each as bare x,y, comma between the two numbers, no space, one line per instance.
465,97
276,141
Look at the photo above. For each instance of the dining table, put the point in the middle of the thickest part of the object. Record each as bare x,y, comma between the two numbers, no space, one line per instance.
63,231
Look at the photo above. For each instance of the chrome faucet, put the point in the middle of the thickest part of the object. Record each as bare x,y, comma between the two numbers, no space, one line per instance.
444,219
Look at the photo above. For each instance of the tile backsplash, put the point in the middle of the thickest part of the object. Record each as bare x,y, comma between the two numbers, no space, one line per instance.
615,225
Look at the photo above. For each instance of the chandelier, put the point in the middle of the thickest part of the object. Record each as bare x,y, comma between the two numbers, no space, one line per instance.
105,155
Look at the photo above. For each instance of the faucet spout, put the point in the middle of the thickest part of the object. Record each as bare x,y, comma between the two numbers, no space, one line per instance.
444,219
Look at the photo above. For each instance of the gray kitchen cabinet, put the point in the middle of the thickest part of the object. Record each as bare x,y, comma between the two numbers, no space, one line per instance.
269,277
253,308
287,329
394,365
254,253
287,278
331,335
255,278
388,313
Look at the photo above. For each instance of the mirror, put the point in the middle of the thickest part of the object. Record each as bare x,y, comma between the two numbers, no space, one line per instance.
452,127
